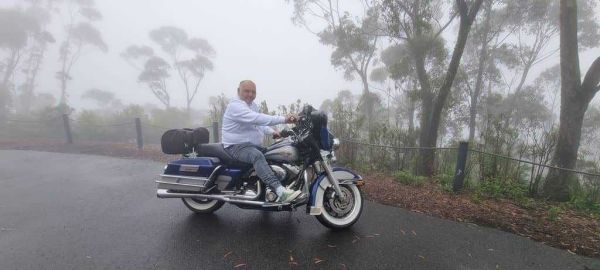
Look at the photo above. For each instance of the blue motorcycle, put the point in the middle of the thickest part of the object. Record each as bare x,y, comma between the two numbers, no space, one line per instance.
208,177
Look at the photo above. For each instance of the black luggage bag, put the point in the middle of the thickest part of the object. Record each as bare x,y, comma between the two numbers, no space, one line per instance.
183,141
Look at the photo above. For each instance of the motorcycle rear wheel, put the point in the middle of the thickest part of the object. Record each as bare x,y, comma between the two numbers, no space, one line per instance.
201,206
338,214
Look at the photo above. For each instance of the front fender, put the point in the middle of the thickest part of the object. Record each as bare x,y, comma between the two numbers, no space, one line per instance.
318,187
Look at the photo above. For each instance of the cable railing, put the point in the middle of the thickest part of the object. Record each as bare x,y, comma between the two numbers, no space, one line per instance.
135,130
356,153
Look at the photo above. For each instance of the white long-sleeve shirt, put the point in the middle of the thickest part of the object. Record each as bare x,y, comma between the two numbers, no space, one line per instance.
243,123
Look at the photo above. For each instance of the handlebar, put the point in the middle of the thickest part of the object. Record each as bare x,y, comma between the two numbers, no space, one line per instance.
284,134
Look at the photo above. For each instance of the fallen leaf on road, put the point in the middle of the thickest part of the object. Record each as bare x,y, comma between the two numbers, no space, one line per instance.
239,265
318,260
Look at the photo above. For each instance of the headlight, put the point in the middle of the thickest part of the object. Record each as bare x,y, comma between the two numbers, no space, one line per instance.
336,144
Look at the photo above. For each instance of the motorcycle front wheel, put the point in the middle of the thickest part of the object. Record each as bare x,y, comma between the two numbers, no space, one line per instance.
339,214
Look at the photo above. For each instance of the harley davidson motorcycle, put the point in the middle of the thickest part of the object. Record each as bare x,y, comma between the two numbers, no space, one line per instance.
207,176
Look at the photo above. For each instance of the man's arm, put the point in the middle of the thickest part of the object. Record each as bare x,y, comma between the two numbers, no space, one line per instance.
266,130
239,112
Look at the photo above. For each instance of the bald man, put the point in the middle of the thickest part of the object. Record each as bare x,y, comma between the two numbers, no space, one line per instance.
243,131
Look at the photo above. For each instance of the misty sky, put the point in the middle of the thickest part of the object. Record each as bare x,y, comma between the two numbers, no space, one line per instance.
253,40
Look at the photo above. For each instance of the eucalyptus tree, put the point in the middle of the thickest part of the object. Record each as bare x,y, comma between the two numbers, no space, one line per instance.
41,11
417,24
154,71
353,37
576,96
17,28
190,57
80,34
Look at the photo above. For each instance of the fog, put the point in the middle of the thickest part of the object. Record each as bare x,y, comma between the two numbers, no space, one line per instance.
252,39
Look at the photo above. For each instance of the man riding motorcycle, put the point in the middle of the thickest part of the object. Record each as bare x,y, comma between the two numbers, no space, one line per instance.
243,131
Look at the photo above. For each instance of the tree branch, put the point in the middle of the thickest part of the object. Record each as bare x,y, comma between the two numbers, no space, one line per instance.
445,26
591,82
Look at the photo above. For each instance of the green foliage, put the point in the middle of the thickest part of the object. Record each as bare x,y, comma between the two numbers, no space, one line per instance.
499,188
446,181
554,212
170,118
410,179
585,203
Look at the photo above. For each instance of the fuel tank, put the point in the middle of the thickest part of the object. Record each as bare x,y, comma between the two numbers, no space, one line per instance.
282,151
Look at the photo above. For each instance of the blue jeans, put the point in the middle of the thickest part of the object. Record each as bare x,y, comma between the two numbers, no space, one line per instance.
249,153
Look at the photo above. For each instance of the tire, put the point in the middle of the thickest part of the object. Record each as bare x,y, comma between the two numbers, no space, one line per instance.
328,216
202,206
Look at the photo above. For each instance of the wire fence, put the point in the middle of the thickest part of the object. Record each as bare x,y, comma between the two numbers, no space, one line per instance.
481,167
134,130
363,156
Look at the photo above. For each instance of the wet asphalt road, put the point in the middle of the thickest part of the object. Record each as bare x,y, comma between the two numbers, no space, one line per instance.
65,211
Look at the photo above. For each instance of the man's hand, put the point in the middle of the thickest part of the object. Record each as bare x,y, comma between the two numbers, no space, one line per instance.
291,118
276,134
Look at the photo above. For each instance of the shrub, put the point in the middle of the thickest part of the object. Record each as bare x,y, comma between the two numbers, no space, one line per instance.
554,212
497,188
446,181
409,178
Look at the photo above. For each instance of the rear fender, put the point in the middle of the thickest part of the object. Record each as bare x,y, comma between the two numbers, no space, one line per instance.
317,189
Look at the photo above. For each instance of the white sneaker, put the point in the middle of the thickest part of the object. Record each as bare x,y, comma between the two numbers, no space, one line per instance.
288,195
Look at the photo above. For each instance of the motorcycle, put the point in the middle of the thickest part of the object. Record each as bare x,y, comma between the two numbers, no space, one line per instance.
302,159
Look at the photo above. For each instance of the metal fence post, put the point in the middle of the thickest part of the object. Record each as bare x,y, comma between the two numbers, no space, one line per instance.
461,162
67,126
215,130
138,131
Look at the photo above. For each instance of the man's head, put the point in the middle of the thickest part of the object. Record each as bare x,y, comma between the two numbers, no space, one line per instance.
247,91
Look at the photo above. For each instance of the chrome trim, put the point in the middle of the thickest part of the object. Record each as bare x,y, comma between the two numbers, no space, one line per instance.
163,193
172,176
178,184
189,168
333,181
336,144
214,172
306,185
315,211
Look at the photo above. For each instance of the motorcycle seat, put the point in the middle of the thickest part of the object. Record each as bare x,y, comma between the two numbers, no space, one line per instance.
217,150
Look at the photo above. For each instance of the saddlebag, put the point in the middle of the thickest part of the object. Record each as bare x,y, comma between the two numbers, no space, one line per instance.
193,174
183,141
189,174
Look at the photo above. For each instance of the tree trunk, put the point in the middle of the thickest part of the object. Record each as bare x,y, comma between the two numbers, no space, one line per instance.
5,93
367,100
483,55
575,98
429,132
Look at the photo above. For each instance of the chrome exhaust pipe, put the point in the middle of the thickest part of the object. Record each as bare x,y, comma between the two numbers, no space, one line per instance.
163,193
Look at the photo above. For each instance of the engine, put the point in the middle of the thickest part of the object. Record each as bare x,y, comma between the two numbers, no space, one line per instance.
287,174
